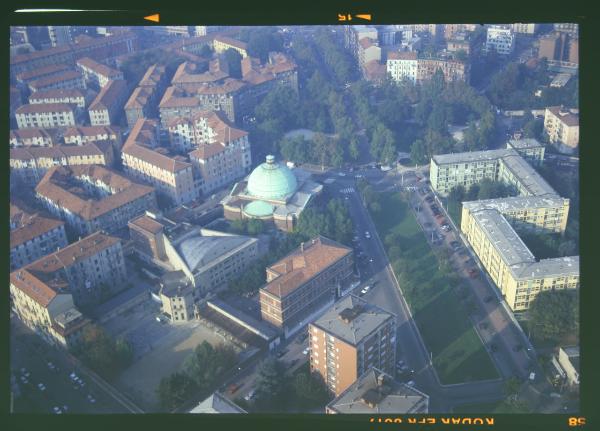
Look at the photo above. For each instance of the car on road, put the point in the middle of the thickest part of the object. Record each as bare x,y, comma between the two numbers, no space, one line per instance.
411,383
25,373
400,364
488,298
24,380
305,351
371,259
365,290
367,234
41,387
57,410
91,399
51,366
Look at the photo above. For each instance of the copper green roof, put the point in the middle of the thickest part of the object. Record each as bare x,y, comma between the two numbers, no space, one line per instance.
272,180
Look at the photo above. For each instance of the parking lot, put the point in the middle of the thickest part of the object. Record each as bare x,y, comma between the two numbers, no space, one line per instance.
159,349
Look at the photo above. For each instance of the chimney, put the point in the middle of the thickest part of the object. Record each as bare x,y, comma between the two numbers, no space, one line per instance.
380,379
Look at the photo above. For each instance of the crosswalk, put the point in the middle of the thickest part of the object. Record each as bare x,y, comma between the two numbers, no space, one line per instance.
347,190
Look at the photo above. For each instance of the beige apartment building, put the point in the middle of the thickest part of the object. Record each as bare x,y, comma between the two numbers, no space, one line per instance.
45,116
170,174
223,43
108,105
376,392
33,235
407,65
85,134
304,280
97,73
178,297
352,337
30,164
562,127
139,104
31,137
67,80
93,198
74,97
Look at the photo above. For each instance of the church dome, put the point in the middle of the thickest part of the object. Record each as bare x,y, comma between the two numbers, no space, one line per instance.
271,180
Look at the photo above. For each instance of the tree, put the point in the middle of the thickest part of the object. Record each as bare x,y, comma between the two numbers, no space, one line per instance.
554,314
270,385
310,389
206,364
567,248
255,227
205,51
174,390
262,41
234,62
418,152
490,189
457,194
353,149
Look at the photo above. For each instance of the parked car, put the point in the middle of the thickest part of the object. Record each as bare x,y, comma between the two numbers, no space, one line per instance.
472,273
365,290
411,383
57,410
305,351
455,245
367,234
41,387
250,395
51,366
91,399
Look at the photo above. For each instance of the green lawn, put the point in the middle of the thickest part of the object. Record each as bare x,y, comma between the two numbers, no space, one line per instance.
458,354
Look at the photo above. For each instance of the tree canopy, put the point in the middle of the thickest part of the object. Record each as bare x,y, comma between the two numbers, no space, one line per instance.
554,314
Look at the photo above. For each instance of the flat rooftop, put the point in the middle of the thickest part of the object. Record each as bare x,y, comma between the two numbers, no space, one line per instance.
516,203
473,156
528,176
525,143
352,319
547,267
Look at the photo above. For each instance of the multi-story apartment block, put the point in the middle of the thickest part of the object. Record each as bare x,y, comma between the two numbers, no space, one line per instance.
376,392
175,103
402,65
46,308
147,233
68,80
107,106
524,28
461,41
178,296
304,280
33,235
45,115
451,30
500,39
528,148
25,78
73,97
170,174
97,73
223,43
30,164
368,50
60,35
155,76
407,65
139,105
31,137
84,134
92,198
92,268
18,35
569,28
559,48
353,34
220,153
350,338
562,127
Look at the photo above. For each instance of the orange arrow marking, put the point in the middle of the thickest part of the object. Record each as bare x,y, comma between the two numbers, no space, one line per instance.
364,16
155,17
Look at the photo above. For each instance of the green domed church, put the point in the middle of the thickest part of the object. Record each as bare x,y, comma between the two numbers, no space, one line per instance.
273,193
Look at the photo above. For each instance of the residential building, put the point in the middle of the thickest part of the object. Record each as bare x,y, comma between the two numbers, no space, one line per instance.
155,76
18,35
407,65
273,193
147,234
60,35
178,297
217,403
107,107
25,78
97,73
68,80
523,28
219,152
352,337
46,308
376,392
92,198
33,235
402,65
84,134
91,269
451,30
560,80
368,50
73,96
568,359
139,105
530,149
31,137
176,103
353,34
30,164
562,127
45,116
169,173
569,28
461,41
223,43
500,39
203,30
560,48
304,280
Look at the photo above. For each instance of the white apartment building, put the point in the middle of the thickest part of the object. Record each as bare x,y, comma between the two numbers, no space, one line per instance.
500,39
562,127
33,137
402,65
72,96
97,73
523,28
70,79
46,115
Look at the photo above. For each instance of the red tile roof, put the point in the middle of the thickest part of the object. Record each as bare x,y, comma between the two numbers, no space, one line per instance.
98,68
69,75
44,107
109,95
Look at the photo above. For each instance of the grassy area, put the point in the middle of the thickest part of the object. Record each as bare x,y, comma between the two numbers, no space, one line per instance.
458,354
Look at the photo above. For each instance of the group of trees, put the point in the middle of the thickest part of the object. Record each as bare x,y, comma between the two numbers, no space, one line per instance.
370,197
252,227
544,246
136,65
339,61
201,370
484,189
103,354
261,40
276,391
514,87
554,314
320,150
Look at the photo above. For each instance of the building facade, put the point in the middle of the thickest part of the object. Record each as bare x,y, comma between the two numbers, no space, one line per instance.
107,107
223,43
500,39
304,280
31,137
178,297
45,115
67,80
562,127
349,339
97,73
73,97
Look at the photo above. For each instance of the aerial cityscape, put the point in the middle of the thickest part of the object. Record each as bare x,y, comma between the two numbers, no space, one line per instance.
343,219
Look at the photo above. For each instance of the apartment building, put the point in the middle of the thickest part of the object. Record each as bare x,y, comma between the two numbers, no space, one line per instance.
74,97
25,78
60,35
85,134
30,164
461,41
31,137
376,392
562,127
170,174
466,169
530,149
155,76
45,115
570,28
402,65
524,28
511,265
219,152
92,268
407,65
223,43
559,48
68,80
368,50
33,235
352,337
500,39
96,73
92,198
568,359
304,280
178,297
353,34
148,236
175,103
107,107
451,30
139,105
46,308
